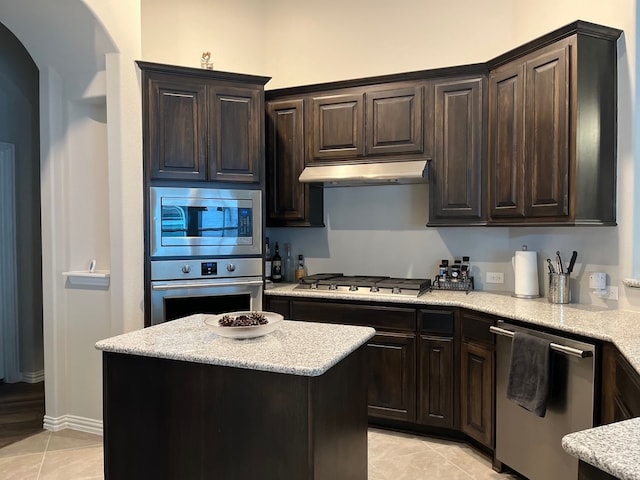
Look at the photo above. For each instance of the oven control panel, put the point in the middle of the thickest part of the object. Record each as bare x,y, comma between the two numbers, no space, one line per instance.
205,268
209,268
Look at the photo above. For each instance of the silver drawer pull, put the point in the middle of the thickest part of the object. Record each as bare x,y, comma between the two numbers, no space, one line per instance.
574,352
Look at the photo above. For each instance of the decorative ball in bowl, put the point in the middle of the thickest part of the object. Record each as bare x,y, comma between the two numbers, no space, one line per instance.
243,324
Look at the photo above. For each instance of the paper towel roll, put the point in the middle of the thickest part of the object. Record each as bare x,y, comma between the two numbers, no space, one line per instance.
525,267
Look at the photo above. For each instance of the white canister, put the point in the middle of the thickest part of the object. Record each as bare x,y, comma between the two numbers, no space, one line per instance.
525,267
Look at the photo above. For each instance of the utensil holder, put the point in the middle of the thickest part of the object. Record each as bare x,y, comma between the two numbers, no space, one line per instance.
559,288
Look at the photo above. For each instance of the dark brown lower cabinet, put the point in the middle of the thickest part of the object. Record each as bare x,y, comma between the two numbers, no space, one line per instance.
589,472
172,420
476,392
392,386
620,387
435,381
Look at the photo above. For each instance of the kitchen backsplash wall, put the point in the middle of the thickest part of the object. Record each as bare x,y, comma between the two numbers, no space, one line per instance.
381,230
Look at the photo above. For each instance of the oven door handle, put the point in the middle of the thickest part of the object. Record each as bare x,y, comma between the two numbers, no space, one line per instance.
176,286
574,352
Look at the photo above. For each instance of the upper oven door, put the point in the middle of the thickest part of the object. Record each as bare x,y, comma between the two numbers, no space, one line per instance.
207,222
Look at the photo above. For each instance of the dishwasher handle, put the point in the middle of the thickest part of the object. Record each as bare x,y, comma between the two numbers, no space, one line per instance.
574,352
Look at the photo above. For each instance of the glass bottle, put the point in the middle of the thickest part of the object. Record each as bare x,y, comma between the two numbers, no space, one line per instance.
287,267
276,265
465,269
300,271
267,260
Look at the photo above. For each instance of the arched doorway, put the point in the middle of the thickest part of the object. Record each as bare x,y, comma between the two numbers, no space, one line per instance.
21,342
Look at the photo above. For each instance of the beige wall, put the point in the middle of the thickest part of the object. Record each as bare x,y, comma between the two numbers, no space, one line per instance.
311,42
234,32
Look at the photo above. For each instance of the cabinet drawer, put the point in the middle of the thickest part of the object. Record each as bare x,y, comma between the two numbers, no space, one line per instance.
476,327
436,321
379,317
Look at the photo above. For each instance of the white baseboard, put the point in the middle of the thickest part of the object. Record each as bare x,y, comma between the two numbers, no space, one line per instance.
73,422
33,377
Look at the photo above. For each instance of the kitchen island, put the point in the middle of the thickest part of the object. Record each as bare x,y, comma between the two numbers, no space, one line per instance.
609,451
182,402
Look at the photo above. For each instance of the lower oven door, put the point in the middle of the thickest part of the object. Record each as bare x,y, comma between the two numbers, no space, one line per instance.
179,298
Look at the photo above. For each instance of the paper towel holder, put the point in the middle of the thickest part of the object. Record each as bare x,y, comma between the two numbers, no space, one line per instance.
524,288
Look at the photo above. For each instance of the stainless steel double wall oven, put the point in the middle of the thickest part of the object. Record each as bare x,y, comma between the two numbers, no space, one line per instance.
205,250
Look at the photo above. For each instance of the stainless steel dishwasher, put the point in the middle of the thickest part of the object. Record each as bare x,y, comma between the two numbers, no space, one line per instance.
529,444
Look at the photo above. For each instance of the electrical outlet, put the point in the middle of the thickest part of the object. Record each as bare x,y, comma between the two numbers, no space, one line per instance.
495,277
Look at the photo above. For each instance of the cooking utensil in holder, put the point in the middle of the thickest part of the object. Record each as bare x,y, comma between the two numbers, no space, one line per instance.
559,288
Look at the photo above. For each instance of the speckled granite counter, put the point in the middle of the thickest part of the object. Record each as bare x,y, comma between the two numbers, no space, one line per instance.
294,348
612,448
182,402
618,326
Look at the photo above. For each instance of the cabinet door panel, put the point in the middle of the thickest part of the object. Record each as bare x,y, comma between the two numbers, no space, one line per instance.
456,183
476,392
506,148
176,129
285,160
435,381
394,121
546,134
235,136
392,382
337,127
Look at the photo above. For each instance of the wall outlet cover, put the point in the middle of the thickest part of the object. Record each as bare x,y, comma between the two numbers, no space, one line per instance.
495,277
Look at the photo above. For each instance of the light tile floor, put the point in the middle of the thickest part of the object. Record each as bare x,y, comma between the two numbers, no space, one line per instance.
72,455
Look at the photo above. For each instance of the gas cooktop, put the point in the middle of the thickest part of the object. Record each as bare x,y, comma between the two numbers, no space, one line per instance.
337,282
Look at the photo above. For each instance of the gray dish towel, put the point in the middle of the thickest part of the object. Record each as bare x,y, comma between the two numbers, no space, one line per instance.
529,373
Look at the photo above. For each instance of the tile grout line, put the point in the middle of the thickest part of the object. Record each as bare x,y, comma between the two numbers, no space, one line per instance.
46,447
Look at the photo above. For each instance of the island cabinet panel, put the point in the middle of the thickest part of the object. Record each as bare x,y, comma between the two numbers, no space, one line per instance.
289,202
202,125
394,121
589,472
546,98
620,387
175,128
337,127
236,134
168,419
457,170
477,383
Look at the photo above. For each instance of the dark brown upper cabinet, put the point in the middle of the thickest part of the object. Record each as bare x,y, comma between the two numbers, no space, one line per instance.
289,202
202,125
176,123
552,130
337,127
382,122
457,170
393,122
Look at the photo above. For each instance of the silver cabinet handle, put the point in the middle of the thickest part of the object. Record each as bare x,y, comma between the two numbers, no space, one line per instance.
574,352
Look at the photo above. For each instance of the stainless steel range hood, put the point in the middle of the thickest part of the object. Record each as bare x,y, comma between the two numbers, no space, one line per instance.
356,174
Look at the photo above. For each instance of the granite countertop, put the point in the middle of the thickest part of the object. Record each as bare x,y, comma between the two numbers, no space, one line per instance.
306,349
612,448
618,326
